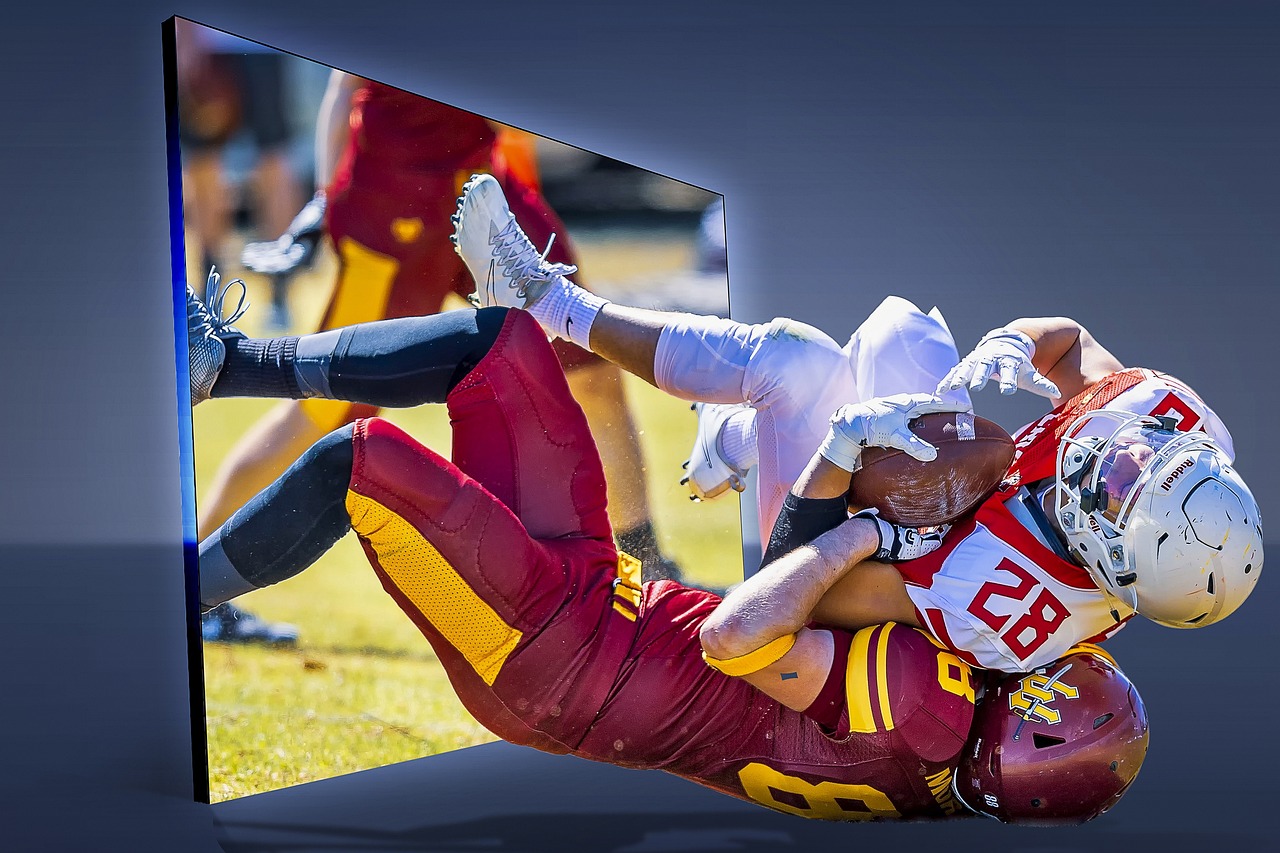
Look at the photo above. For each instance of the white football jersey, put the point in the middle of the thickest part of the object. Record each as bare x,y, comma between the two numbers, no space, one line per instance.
1001,599
995,593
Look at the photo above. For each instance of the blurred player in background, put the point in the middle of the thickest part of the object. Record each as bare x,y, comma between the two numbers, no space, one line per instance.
505,561
389,165
230,86
1122,500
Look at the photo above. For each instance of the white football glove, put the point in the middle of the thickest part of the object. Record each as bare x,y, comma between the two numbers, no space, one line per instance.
881,422
294,247
1005,354
898,543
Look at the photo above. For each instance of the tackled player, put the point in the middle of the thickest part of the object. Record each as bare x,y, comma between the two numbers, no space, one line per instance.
1123,500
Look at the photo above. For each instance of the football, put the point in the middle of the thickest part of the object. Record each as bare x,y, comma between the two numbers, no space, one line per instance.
973,457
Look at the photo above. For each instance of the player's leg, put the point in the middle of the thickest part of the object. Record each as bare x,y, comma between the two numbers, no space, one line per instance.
783,367
899,349
448,547
521,392
277,189
285,528
597,385
536,598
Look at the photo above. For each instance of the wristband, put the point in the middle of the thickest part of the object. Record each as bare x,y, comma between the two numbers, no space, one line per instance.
769,653
836,450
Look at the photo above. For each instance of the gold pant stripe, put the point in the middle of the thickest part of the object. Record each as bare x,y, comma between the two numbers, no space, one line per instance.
882,676
858,684
434,587
361,295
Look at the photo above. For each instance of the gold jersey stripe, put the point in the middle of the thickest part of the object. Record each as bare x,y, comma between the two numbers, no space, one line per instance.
360,295
434,587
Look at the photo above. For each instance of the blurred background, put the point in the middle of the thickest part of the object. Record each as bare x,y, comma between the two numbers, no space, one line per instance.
323,675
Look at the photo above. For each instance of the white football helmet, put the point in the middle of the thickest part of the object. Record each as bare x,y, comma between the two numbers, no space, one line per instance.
1160,519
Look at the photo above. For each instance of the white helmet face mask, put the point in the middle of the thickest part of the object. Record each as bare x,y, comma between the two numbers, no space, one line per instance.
1161,520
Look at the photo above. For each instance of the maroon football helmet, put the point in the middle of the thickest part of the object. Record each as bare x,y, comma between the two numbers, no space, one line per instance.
1058,745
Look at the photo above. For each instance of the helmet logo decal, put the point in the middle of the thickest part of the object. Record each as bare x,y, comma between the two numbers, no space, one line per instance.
1183,467
1034,698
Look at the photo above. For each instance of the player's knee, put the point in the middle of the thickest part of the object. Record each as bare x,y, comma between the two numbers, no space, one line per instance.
483,337
789,359
331,457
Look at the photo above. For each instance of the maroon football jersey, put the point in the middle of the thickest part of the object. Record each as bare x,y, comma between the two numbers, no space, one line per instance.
407,132
901,708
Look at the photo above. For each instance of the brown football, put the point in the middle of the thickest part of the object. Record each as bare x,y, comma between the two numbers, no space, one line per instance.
973,457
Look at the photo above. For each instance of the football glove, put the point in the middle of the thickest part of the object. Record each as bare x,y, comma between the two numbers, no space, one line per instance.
1006,355
898,543
880,422
294,247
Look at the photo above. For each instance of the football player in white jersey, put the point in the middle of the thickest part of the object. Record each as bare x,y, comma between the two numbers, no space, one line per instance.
1121,500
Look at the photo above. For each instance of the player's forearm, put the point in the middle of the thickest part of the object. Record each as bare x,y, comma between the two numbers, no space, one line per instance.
778,599
1053,338
332,124
1066,353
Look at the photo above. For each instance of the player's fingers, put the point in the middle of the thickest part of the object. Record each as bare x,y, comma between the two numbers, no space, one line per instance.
955,377
981,374
1041,384
915,447
1008,375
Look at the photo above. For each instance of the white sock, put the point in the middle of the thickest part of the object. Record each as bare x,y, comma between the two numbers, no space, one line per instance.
567,311
737,440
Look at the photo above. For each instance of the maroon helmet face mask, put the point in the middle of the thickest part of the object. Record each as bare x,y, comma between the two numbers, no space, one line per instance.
1058,745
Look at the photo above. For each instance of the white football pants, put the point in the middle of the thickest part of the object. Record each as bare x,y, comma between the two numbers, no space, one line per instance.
795,377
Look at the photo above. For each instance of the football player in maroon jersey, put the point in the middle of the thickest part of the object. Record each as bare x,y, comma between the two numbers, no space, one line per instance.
505,561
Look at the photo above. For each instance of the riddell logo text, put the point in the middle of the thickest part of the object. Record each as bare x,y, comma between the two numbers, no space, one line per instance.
1183,467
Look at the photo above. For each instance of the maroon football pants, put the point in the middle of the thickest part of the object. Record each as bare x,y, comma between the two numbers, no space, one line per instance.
503,558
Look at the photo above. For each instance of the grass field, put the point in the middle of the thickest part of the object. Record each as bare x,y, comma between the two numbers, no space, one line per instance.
363,688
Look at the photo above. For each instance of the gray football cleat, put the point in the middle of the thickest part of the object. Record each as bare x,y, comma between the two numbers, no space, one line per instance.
206,330
507,269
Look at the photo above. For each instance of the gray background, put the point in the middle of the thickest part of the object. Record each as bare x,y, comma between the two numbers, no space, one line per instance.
1115,165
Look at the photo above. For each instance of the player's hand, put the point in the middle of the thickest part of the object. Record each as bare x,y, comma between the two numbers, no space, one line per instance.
294,247
881,422
898,543
1004,354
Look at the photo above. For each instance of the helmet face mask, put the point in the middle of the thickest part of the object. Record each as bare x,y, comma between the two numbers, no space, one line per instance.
1058,745
1159,518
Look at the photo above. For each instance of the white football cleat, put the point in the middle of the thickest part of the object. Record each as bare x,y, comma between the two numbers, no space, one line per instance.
708,474
506,267
205,331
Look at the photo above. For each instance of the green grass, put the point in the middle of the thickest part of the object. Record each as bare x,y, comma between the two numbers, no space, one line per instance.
364,688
